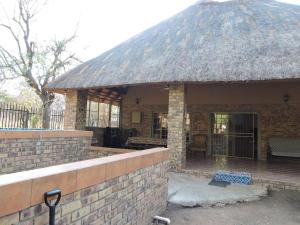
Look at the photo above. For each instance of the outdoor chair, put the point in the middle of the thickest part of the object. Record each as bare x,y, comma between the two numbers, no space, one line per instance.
286,147
199,144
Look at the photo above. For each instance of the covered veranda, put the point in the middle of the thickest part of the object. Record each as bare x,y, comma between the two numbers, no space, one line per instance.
229,87
189,110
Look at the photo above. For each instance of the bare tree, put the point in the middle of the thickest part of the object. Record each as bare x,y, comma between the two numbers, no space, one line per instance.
37,63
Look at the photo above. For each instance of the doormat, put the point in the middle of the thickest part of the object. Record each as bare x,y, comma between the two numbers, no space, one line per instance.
233,177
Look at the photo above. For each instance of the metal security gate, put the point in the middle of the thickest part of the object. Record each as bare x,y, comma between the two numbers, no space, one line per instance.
234,134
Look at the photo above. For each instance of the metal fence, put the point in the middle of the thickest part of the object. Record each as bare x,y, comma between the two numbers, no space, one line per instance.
18,116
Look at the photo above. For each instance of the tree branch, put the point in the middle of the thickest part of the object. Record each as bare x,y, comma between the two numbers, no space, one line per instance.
16,39
36,64
10,61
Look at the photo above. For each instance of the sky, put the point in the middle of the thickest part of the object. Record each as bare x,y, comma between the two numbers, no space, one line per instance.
99,24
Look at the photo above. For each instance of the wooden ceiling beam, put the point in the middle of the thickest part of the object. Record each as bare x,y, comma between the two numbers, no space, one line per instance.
107,95
107,98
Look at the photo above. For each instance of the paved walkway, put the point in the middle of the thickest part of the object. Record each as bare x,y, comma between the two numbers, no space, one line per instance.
193,191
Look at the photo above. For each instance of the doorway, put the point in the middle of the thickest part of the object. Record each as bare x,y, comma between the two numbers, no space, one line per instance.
234,134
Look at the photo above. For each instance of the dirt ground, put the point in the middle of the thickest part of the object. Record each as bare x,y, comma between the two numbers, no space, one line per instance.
280,208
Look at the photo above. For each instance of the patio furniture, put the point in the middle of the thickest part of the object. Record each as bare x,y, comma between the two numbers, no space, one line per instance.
198,144
288,147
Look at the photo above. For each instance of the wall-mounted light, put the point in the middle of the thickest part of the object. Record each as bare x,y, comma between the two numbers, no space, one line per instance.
167,87
285,98
137,101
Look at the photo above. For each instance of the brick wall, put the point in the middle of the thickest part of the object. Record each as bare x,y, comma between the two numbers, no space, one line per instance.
97,152
25,150
124,189
75,111
276,120
147,140
176,125
144,128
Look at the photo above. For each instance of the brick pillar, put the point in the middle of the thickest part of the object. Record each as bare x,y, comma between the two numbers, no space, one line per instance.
75,112
176,126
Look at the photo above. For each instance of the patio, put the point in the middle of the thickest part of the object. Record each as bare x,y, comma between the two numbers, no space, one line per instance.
280,172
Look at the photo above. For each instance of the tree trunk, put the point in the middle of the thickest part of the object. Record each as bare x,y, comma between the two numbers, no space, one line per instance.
46,116
47,100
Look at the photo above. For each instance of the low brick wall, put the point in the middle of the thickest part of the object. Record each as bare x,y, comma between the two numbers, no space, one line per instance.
147,140
97,152
24,150
129,188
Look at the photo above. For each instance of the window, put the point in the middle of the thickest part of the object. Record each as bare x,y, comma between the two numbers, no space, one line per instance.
160,125
187,127
220,123
102,114
115,116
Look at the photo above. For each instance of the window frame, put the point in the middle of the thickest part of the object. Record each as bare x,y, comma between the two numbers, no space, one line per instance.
96,118
163,131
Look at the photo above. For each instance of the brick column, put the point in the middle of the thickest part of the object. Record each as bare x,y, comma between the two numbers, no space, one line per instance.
75,112
176,126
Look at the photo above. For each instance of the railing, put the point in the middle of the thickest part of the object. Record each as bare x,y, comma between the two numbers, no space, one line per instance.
18,116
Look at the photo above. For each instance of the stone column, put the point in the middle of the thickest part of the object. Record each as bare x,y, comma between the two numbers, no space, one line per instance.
176,126
75,112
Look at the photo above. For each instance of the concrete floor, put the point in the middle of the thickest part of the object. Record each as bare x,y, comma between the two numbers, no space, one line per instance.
278,169
280,208
194,191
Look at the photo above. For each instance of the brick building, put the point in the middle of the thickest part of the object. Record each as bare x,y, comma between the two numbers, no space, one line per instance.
228,72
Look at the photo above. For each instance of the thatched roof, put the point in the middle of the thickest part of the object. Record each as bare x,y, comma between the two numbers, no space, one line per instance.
240,40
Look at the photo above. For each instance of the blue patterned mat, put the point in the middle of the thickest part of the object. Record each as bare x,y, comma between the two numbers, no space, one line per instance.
233,177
